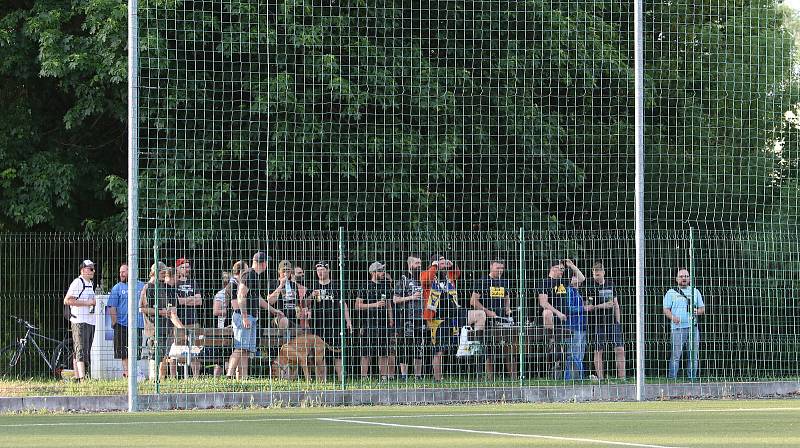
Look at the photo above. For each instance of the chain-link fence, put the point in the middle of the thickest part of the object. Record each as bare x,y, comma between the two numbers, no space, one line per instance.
484,293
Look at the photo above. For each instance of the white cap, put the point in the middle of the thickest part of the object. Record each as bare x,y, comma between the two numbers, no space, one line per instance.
376,266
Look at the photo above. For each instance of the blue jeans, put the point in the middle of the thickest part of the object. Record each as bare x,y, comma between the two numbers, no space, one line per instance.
680,339
576,349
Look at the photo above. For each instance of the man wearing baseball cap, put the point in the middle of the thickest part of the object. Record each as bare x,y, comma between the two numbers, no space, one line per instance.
283,300
81,302
374,305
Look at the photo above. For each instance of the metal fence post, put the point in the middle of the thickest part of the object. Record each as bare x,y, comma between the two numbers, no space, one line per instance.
521,296
342,326
156,352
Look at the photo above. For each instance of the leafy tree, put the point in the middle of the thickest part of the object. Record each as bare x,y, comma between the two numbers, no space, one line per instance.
395,115
62,87
476,115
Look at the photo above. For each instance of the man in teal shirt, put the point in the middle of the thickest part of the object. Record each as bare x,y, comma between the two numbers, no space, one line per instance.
118,309
676,309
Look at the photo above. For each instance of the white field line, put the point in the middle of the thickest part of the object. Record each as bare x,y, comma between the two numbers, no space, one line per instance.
370,417
497,433
573,413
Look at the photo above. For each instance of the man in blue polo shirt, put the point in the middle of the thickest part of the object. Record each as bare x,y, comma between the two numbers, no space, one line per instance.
118,308
677,309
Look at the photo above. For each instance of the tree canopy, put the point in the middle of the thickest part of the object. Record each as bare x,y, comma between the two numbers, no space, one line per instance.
397,115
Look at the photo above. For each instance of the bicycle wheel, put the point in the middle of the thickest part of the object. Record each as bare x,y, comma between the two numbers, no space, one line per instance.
62,357
10,367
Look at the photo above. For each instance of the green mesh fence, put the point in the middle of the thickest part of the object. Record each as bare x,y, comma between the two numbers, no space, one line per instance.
455,165
748,334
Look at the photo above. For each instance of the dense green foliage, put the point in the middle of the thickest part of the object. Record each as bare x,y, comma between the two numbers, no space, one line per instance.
62,89
396,115
472,115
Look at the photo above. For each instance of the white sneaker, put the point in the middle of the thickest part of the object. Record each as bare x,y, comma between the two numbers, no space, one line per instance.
468,349
463,350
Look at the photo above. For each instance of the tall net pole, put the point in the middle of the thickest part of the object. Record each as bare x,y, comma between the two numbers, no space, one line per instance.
133,198
638,50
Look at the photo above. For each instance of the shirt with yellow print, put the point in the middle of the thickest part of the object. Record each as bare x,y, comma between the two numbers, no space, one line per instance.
493,292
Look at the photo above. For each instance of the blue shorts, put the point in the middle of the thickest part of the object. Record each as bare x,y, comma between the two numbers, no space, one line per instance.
608,333
244,338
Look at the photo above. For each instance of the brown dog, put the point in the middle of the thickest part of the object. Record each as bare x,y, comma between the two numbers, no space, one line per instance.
296,353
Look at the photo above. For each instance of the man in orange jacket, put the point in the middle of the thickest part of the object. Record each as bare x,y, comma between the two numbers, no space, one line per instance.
444,311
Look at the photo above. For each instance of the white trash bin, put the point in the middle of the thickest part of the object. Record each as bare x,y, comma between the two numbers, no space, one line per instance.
103,364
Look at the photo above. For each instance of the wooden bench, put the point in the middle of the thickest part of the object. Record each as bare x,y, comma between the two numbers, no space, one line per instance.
200,338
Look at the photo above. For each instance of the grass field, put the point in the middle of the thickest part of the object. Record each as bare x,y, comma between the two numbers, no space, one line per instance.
773,423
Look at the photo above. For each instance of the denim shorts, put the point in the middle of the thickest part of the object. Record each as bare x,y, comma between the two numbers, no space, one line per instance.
244,338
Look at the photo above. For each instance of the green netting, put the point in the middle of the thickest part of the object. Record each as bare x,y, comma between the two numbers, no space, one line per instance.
749,333
486,130
348,133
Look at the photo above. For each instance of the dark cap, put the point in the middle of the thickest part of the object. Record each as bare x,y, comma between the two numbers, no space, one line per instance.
556,262
436,257
260,257
322,264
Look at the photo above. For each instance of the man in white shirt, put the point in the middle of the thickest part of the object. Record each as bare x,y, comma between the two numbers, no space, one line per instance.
80,298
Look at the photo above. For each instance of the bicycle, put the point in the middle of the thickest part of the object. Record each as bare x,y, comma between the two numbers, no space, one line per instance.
14,363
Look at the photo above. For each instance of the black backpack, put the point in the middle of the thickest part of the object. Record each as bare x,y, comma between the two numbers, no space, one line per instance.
68,309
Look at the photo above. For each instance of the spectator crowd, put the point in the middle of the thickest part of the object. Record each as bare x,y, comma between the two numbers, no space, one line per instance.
429,321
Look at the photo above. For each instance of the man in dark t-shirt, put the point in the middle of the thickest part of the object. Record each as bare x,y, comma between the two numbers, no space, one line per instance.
374,305
250,299
157,302
492,294
553,291
605,322
189,302
408,303
189,298
326,310
554,294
